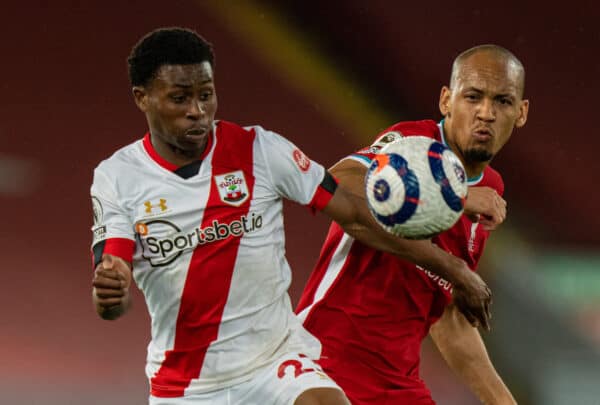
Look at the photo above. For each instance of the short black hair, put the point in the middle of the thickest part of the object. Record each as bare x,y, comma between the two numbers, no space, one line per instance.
166,46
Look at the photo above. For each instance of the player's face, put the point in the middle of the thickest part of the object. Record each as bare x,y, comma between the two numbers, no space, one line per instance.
180,105
482,109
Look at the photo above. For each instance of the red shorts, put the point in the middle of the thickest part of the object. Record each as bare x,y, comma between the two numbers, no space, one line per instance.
365,386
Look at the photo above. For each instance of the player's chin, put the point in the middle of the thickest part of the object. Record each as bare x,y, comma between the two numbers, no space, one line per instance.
479,153
190,145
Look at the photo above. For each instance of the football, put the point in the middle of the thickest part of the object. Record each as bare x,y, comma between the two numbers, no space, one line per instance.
416,187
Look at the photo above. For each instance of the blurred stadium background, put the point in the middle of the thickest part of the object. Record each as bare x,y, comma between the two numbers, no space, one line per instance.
328,75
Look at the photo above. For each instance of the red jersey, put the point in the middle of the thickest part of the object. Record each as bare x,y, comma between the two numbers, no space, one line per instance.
371,310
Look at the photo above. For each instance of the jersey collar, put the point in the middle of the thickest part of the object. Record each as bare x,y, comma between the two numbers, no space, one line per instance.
165,163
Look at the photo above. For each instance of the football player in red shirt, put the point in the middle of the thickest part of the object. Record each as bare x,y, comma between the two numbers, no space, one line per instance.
372,310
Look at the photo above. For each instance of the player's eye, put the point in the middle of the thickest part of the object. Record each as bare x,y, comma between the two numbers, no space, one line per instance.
206,95
178,98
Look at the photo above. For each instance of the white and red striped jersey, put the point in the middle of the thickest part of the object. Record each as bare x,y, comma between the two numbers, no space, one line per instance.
208,252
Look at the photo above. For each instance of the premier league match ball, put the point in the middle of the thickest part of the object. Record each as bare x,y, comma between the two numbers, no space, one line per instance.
416,187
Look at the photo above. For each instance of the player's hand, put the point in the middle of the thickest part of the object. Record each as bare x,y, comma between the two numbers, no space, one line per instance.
111,282
473,298
484,205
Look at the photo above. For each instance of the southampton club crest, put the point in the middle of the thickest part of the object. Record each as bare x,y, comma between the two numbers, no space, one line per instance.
233,189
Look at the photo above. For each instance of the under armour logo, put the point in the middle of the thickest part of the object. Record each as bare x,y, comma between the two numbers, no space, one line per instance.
162,204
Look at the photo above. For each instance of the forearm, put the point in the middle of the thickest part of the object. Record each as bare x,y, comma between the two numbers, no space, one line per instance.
349,209
463,349
482,379
490,389
355,218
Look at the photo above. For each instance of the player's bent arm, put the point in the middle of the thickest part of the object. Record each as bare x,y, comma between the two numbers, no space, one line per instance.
463,349
486,206
348,208
111,282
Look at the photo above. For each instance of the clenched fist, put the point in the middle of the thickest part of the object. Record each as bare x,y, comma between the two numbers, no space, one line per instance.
111,282
484,205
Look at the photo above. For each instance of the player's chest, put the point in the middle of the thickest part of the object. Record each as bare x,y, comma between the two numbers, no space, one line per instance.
223,193
170,217
466,239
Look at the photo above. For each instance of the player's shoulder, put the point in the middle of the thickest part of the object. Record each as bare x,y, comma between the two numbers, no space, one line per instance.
264,144
427,128
492,178
123,158
267,139
228,127
237,133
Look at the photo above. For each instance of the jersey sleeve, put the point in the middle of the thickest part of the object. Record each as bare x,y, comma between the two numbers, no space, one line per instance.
112,232
391,134
295,176
366,155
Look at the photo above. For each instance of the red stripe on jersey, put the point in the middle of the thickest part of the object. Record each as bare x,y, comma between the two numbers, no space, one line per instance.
208,147
210,272
120,247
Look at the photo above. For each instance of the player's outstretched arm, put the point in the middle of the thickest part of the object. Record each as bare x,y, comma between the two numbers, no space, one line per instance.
349,209
110,293
463,349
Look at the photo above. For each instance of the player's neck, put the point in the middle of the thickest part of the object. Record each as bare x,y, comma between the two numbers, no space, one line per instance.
474,170
175,155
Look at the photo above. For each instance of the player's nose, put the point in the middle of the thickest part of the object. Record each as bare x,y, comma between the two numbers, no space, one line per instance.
196,110
486,110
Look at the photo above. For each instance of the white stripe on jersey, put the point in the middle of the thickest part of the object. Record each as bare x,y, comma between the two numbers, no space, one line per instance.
338,260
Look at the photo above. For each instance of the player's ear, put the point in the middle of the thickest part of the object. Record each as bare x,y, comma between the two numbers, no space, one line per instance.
523,111
141,97
445,101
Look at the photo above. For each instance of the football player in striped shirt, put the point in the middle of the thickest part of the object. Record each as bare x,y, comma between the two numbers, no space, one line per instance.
192,212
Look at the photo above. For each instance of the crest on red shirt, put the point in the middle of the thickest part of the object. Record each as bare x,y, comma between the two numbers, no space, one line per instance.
232,188
301,160
383,140
471,243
